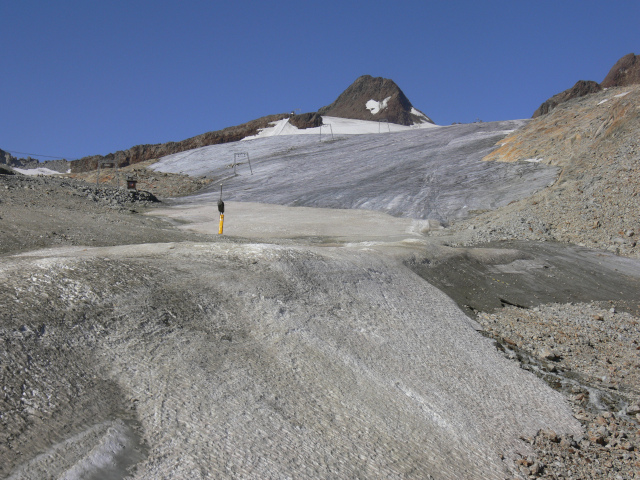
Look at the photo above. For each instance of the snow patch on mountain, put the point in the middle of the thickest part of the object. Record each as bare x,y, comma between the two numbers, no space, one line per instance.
418,113
374,106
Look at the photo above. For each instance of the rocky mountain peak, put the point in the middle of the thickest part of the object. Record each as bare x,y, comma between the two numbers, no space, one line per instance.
625,72
375,98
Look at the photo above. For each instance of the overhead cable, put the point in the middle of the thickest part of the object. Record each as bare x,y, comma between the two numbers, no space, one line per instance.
36,154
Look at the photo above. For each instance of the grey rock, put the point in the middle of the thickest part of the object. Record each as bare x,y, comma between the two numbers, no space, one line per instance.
633,409
549,354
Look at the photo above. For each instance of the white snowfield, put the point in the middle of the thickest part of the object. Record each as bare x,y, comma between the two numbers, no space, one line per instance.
340,126
422,172
418,113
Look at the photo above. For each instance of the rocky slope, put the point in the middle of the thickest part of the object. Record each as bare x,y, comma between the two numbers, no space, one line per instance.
594,202
140,153
378,98
162,185
39,212
580,89
590,352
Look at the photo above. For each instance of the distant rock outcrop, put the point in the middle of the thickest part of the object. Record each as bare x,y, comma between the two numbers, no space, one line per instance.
375,98
140,153
27,163
306,120
6,158
580,89
625,72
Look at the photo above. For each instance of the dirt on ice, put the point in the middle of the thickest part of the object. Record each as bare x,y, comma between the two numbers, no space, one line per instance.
341,353
302,343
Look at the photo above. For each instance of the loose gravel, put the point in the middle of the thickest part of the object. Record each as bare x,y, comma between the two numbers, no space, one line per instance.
591,353
596,199
38,212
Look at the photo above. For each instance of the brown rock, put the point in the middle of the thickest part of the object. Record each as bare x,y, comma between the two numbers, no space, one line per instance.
550,435
580,89
306,120
536,468
625,446
140,153
633,409
565,442
597,438
625,72
352,103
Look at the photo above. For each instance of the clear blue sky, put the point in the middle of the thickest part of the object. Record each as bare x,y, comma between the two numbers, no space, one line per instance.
86,77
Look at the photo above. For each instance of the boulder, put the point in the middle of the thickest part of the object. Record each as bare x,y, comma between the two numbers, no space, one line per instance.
6,170
306,120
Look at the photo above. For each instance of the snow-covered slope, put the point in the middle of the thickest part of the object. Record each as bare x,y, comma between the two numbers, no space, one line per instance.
337,126
411,171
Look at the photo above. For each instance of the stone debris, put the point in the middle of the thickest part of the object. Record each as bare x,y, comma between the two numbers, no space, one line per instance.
160,184
596,199
48,211
598,369
42,186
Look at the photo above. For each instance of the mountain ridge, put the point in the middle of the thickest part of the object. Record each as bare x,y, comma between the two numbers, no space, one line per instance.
393,107
624,72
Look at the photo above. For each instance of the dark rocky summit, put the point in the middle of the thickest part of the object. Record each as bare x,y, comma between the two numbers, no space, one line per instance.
580,89
375,98
625,72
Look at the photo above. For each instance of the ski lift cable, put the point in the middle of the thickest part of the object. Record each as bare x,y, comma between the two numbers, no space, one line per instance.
37,154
